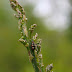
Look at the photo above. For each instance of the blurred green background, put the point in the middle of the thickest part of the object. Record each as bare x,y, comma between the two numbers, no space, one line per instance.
56,45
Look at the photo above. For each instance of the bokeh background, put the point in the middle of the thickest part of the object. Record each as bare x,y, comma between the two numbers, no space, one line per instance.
54,26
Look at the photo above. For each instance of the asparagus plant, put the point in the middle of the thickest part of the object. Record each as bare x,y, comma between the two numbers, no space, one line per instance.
33,46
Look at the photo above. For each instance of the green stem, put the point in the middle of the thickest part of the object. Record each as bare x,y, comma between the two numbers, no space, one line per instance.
34,63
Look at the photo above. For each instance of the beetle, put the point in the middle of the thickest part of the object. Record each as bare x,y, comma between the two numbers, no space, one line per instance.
33,45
